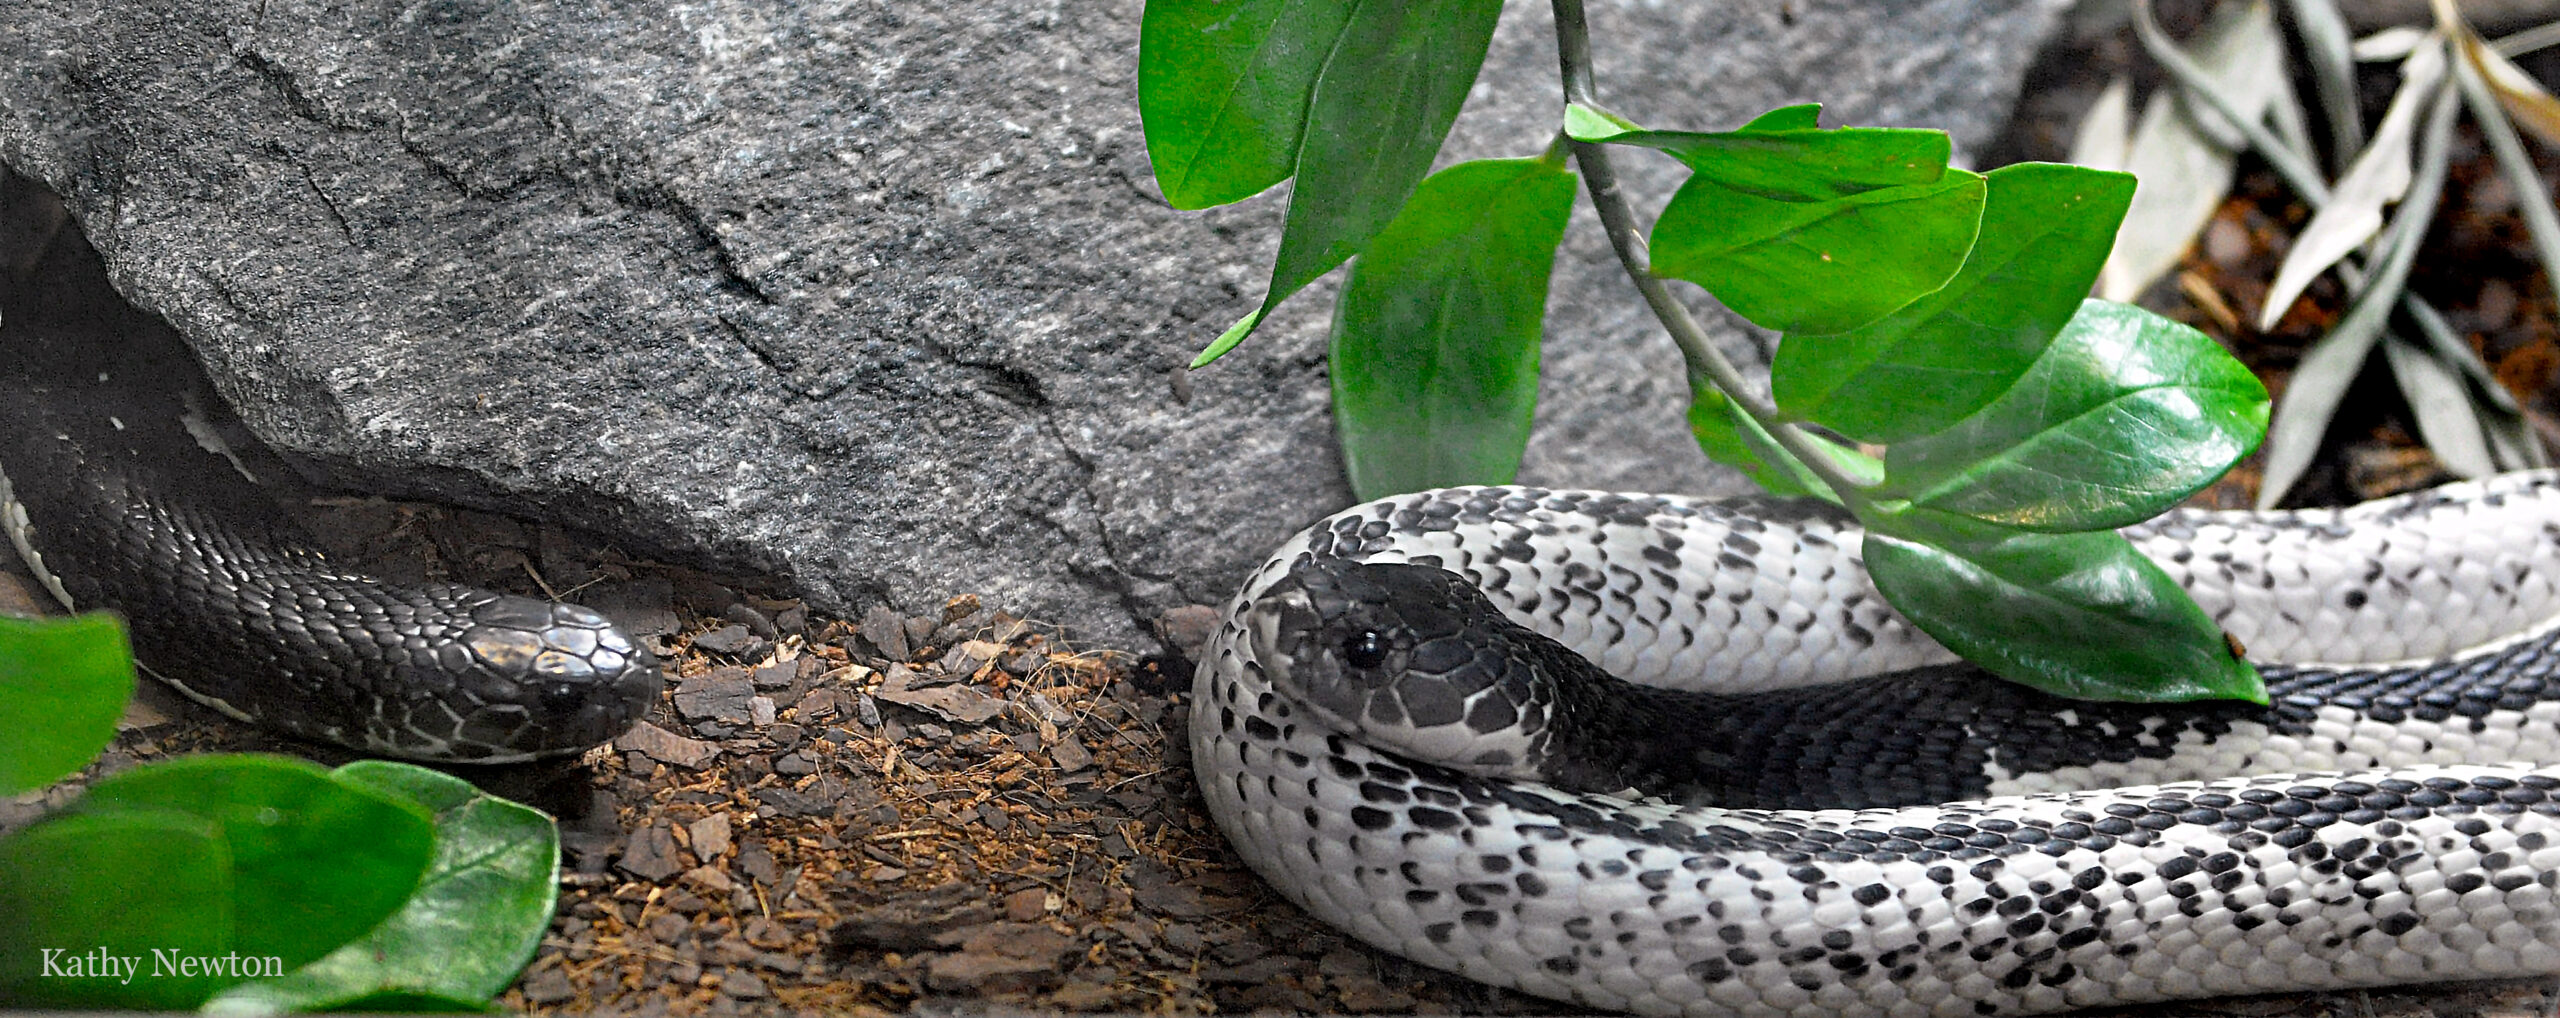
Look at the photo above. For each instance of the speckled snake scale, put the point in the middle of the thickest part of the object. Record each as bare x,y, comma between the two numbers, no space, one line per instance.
1675,756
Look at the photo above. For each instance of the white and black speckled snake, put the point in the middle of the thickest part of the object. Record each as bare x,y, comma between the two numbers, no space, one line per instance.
1835,818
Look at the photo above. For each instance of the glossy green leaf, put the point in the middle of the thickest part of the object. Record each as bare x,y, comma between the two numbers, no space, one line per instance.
1435,338
2124,416
1731,437
63,683
100,911
314,862
2078,615
1800,117
2046,230
1381,104
1223,88
395,1002
1781,155
1227,340
473,923
1818,266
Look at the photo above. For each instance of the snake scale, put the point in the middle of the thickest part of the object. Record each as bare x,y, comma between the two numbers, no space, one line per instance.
1674,756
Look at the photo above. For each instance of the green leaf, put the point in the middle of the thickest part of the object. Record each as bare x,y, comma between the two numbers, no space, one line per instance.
2124,416
314,862
1382,101
1800,117
81,888
408,1003
2046,230
1227,340
1818,266
1435,338
2078,615
1731,437
474,922
63,683
1223,88
1781,155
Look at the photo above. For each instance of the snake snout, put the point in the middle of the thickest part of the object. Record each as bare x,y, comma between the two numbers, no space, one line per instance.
1403,656
563,663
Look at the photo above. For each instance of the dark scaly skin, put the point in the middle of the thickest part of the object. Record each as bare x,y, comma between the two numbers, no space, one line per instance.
226,600
224,597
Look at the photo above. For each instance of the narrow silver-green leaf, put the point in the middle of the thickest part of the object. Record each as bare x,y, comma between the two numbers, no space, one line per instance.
2184,171
2380,176
1435,338
2512,441
2105,138
2311,395
2328,48
2447,418
2533,197
2533,106
2046,229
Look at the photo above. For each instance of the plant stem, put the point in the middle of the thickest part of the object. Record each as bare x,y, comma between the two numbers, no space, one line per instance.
1600,178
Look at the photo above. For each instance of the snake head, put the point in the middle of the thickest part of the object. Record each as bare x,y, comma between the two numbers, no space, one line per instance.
1409,658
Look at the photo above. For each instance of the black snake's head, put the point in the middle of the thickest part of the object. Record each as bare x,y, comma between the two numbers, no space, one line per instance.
1406,657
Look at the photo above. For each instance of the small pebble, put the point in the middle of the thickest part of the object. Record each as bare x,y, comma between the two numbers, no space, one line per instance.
729,640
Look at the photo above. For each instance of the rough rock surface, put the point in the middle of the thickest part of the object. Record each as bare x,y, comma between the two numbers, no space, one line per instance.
876,296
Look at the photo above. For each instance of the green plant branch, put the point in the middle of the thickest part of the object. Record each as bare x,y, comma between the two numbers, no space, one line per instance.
1600,179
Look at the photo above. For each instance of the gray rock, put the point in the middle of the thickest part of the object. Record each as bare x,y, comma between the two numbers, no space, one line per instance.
878,297
721,694
667,747
886,632
651,854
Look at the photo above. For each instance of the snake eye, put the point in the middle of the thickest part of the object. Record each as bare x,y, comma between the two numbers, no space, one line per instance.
1366,649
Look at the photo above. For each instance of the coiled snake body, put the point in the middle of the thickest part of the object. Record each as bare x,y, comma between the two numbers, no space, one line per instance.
1773,796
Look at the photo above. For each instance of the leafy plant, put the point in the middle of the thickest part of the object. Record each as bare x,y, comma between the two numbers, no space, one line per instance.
2235,71
242,883
1940,376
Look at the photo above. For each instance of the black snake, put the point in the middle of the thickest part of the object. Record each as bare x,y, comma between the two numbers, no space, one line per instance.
1674,755
116,493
